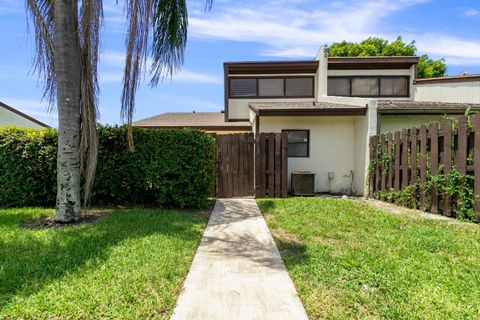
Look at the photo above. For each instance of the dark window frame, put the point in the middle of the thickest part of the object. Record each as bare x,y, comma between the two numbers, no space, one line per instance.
407,95
284,96
308,142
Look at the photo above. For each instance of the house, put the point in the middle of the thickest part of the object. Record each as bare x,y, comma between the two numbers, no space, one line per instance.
330,106
12,117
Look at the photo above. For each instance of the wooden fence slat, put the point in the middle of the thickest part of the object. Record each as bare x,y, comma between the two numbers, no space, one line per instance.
284,164
258,193
241,156
383,176
250,169
396,178
278,163
413,155
371,184
433,129
447,160
271,165
476,164
235,155
263,163
377,166
390,166
404,158
423,169
219,182
225,167
461,156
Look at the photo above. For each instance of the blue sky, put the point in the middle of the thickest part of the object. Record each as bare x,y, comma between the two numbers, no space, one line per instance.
239,31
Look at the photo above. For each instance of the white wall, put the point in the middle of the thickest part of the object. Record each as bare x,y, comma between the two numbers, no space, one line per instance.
455,92
337,144
9,118
239,108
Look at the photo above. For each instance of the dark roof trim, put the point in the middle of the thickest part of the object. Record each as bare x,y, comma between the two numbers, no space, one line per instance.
400,62
271,67
23,115
447,79
209,128
311,112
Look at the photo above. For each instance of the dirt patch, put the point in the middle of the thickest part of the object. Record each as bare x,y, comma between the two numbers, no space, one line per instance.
48,222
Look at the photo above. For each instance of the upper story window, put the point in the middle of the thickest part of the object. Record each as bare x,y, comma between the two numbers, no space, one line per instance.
272,87
369,86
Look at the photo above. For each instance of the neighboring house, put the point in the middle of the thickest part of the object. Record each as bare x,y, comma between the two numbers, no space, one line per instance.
12,117
331,106
207,121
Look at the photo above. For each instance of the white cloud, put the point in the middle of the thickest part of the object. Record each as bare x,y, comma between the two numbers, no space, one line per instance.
116,60
472,12
290,32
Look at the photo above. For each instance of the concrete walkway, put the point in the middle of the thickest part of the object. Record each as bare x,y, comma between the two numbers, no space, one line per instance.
237,272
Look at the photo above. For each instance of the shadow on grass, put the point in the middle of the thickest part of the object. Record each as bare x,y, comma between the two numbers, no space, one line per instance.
266,205
292,251
31,259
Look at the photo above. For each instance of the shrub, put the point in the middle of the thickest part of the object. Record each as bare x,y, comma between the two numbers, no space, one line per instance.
169,168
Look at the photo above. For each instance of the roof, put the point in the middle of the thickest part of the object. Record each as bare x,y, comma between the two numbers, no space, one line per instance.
394,62
407,106
23,115
271,67
465,78
305,109
214,121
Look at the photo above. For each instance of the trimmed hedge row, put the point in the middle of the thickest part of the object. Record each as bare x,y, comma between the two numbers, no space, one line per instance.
169,168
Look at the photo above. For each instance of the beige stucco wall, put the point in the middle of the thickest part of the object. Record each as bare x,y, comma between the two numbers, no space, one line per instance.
239,108
391,123
337,144
9,118
456,92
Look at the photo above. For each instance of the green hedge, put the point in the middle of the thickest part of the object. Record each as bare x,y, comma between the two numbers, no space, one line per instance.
169,168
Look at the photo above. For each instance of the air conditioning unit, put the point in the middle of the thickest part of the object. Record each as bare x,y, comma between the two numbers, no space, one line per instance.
303,183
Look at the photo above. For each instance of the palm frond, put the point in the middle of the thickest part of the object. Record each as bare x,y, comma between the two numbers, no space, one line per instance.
41,15
91,16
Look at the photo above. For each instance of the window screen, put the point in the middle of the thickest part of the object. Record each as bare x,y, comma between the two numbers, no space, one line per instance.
365,87
243,87
394,87
270,87
338,86
299,87
298,143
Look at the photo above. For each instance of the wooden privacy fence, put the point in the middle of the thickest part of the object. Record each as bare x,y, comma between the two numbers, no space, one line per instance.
410,158
271,162
252,167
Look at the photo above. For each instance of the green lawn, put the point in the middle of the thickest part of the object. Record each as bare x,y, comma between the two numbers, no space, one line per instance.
350,260
130,265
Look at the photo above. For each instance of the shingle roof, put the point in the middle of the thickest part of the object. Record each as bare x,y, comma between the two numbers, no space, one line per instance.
306,108
21,114
200,120
389,106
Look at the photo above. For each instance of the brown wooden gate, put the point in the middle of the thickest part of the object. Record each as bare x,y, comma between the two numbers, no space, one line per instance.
235,169
271,165
246,167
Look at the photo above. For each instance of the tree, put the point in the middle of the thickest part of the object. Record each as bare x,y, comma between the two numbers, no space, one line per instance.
67,47
374,46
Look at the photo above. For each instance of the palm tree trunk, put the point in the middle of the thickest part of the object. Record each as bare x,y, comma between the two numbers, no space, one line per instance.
68,77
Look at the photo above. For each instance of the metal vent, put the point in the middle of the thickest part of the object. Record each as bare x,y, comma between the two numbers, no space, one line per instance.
303,183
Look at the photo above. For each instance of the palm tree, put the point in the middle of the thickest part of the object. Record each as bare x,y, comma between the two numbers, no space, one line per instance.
67,47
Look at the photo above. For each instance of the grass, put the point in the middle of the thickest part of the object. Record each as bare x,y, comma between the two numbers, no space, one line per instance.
351,260
129,265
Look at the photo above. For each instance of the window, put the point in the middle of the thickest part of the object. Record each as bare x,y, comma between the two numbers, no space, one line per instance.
270,87
298,143
338,86
365,87
393,87
369,86
278,87
243,87
299,87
